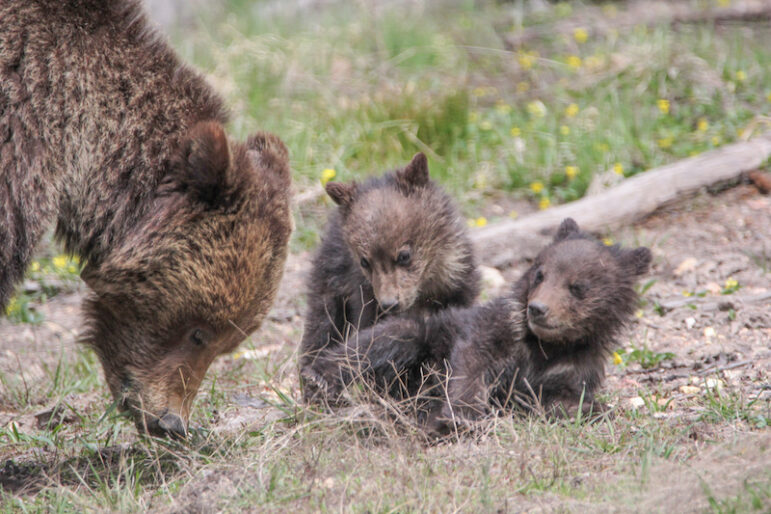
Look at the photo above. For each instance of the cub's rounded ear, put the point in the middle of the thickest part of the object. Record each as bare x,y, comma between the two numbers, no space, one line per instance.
637,260
202,164
567,227
341,194
415,174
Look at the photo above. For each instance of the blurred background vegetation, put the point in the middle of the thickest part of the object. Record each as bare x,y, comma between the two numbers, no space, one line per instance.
526,98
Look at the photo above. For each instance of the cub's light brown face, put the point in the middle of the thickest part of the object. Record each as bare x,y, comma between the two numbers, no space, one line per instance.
567,288
580,288
194,279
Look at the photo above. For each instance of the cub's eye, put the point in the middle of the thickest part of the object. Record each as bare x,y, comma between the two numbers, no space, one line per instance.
578,289
538,277
404,258
197,337
364,263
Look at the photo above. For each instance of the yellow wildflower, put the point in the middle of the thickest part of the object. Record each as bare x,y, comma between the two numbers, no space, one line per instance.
564,130
715,140
72,268
580,35
525,60
731,283
536,187
515,132
513,214
703,125
687,294
35,266
741,76
60,262
638,313
724,3
571,172
617,358
523,86
544,203
574,62
12,306
327,175
663,105
618,168
486,125
480,221
536,108
607,241
571,110
665,142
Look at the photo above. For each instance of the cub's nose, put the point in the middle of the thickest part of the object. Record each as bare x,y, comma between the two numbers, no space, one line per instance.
537,310
389,304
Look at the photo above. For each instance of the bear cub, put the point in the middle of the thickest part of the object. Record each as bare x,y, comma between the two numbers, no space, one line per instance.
545,342
396,244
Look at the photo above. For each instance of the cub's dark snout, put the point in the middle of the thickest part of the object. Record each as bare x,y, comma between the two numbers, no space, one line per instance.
537,311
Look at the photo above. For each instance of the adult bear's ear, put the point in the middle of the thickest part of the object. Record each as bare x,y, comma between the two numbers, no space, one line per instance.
341,194
415,174
637,261
567,227
202,166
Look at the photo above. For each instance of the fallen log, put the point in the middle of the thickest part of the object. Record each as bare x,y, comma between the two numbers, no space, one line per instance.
642,12
501,243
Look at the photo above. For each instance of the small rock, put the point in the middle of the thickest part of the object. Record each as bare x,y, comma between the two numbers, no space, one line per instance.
636,402
687,265
688,389
690,322
492,278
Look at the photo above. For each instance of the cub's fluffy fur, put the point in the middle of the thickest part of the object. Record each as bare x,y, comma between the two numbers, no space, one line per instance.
545,341
396,244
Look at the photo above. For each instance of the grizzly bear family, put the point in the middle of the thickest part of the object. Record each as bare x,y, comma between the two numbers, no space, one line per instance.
184,232
184,236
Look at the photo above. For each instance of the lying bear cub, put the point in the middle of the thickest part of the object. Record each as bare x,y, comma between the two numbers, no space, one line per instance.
545,343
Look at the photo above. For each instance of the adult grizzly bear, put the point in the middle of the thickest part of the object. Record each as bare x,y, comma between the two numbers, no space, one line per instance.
397,244
184,232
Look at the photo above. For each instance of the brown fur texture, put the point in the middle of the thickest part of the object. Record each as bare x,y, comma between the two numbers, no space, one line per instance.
396,245
546,342
104,131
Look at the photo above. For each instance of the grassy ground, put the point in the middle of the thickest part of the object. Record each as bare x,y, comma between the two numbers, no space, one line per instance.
358,87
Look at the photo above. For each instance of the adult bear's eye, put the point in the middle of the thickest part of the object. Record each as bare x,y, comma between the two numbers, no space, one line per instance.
364,263
538,277
198,337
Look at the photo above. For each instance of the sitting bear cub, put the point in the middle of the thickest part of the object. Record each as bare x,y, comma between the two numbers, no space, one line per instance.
547,340
396,245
